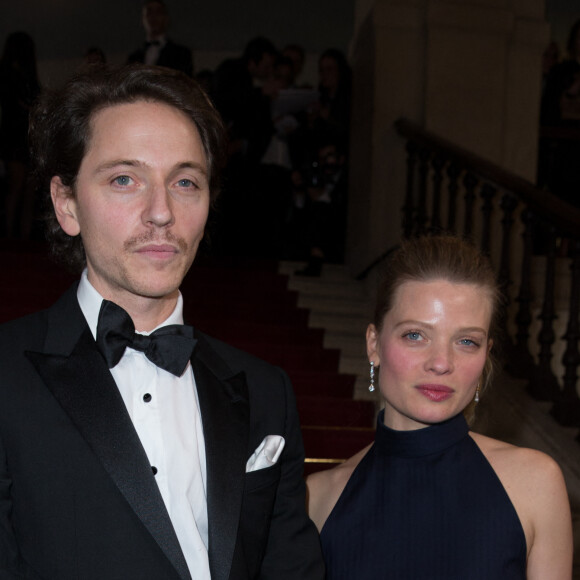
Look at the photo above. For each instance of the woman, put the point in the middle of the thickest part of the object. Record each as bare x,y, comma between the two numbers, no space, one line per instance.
558,161
430,499
334,86
560,97
19,87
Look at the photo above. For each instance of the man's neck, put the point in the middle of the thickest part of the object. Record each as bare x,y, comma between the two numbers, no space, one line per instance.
155,38
147,313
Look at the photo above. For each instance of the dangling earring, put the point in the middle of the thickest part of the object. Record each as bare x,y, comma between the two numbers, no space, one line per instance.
476,399
372,377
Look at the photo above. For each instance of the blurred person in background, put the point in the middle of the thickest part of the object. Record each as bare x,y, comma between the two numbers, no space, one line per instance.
19,88
159,49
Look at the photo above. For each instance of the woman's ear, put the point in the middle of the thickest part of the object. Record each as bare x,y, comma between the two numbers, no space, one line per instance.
373,345
65,206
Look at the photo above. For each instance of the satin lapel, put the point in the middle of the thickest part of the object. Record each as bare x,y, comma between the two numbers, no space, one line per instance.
84,387
224,409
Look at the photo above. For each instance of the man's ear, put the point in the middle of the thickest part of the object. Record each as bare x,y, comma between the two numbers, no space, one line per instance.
65,206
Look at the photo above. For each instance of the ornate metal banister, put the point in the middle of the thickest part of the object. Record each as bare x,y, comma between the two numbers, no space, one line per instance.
565,217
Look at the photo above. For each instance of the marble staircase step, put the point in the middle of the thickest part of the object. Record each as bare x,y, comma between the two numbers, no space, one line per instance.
321,286
345,305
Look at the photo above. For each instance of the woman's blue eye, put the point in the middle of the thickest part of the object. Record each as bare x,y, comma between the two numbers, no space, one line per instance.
413,335
467,342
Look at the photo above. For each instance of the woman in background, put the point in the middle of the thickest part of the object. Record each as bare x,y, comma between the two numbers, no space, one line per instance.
558,170
19,87
430,499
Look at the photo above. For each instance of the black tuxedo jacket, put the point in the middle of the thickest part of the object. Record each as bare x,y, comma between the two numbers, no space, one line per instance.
172,55
78,499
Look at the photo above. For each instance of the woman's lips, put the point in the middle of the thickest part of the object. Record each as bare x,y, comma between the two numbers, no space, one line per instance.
435,393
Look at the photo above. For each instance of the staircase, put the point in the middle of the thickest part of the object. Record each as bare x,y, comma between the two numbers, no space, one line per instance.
340,306
312,328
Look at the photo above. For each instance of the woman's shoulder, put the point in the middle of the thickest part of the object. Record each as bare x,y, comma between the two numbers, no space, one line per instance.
513,461
325,487
534,483
526,472
339,475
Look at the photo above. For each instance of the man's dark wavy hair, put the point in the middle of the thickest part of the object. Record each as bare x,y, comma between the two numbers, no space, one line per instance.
60,131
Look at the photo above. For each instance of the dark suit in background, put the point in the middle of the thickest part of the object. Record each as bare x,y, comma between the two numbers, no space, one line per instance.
155,20
171,55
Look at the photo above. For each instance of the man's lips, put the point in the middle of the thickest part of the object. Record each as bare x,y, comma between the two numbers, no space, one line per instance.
158,250
435,393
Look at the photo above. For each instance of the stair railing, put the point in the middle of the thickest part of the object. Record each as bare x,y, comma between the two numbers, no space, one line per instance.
450,189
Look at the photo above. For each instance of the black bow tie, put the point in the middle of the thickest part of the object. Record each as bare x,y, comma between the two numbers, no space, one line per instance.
170,347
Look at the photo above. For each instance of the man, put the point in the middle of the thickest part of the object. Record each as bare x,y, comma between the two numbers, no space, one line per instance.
159,455
158,49
242,91
295,53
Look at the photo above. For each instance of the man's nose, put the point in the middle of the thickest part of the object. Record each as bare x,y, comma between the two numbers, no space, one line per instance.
159,208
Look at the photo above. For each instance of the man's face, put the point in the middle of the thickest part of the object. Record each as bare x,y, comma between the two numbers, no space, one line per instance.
328,73
155,19
296,57
140,202
263,69
283,76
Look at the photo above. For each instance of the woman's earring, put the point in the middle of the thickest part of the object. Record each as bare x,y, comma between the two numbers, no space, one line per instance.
372,377
476,399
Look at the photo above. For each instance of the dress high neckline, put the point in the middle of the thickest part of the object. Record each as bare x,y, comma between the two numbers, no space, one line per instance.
420,442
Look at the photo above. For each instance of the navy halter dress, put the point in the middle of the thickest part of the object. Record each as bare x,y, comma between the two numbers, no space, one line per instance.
424,505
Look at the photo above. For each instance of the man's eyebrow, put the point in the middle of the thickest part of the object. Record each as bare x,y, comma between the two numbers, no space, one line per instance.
192,165
118,163
136,163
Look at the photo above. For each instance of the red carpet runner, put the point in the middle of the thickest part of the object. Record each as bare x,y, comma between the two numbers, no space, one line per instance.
244,303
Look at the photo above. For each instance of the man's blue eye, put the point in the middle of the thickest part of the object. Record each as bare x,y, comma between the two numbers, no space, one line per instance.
185,183
413,335
123,180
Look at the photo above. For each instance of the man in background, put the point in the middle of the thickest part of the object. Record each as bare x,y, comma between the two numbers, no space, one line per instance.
158,49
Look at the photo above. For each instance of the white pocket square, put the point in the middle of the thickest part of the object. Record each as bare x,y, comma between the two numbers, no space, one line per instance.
266,454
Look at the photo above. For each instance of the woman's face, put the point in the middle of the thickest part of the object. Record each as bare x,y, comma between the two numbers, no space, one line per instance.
431,351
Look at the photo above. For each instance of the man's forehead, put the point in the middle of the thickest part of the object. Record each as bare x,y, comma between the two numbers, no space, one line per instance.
127,123
128,105
155,6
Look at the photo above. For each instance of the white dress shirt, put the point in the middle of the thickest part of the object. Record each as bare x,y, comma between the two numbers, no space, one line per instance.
153,50
165,413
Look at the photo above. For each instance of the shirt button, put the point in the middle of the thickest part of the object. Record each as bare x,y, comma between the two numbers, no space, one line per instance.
147,397
154,469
